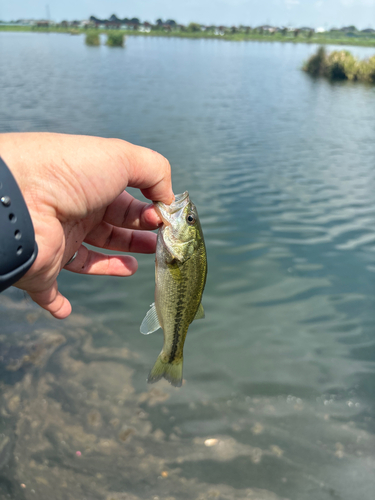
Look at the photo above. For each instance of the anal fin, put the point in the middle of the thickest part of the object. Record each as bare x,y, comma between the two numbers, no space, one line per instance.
200,314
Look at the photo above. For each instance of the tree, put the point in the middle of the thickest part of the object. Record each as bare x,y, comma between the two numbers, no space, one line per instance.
114,19
194,27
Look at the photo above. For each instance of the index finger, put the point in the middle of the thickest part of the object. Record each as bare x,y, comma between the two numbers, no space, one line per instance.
150,172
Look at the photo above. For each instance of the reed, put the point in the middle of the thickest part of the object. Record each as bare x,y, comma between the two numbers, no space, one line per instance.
92,38
115,39
340,65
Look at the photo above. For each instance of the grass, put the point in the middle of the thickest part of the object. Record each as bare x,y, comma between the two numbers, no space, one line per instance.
92,38
115,39
340,65
329,38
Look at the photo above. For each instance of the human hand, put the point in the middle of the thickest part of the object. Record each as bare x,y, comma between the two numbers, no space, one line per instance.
74,189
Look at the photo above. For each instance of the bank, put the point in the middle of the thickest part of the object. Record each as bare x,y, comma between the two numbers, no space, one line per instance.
316,38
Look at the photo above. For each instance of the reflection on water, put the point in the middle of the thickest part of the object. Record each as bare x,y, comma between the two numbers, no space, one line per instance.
279,393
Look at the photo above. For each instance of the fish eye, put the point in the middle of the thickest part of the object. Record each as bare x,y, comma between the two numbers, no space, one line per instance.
190,219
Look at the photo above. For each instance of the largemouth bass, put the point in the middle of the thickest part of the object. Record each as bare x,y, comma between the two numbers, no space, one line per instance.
180,277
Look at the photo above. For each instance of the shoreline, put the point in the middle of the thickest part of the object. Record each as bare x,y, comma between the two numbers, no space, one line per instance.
319,39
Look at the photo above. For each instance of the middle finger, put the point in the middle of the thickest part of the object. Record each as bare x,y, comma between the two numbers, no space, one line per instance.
127,211
121,240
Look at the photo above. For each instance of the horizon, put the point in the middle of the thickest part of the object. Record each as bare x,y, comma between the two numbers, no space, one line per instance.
166,20
319,13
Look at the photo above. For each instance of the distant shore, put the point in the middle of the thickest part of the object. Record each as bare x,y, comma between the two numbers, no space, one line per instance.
317,38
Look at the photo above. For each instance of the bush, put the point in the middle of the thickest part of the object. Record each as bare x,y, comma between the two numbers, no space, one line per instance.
92,38
340,65
367,70
317,62
115,39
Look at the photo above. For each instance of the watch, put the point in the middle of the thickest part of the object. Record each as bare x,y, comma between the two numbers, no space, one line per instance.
18,248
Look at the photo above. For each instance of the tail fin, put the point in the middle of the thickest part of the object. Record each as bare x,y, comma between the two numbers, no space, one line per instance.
170,371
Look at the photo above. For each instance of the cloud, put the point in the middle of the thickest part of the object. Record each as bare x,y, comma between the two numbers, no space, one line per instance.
367,3
291,3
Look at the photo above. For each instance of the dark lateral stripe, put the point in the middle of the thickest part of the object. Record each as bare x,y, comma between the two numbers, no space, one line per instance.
176,338
177,323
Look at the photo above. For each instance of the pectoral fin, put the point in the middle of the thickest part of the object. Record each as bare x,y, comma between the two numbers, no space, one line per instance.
150,322
200,313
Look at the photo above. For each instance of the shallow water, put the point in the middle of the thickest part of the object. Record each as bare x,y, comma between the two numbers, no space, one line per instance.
280,376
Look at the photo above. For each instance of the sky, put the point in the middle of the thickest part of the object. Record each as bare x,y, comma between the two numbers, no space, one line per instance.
314,13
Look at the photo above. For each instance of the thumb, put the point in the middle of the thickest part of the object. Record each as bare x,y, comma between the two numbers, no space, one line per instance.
52,301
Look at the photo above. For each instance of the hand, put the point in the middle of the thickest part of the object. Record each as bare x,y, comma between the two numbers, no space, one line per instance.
74,189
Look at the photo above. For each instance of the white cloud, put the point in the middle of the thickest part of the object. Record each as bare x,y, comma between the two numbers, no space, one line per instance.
368,3
291,3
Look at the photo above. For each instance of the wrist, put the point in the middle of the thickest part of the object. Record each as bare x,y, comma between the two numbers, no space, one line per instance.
18,249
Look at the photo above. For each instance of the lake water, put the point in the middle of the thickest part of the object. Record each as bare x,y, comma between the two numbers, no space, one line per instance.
279,399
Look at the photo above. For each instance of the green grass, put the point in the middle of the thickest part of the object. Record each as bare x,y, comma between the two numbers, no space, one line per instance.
92,38
329,38
115,39
340,65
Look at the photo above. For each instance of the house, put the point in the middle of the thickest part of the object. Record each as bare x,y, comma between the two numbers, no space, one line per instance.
145,27
42,23
266,28
130,26
24,22
85,24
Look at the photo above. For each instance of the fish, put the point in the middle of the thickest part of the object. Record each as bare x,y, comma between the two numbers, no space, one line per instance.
180,278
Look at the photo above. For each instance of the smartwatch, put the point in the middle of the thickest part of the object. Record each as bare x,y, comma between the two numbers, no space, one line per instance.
18,248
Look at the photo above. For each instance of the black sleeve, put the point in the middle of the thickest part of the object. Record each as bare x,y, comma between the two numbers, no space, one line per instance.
18,249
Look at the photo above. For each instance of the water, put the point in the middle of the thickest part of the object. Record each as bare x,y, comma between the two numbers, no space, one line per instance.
280,376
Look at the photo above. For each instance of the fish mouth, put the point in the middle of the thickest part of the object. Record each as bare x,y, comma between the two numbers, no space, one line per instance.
165,211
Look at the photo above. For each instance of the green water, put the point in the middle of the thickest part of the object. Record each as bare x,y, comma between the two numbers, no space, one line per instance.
279,399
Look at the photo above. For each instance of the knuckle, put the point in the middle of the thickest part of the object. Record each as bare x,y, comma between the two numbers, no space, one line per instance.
117,142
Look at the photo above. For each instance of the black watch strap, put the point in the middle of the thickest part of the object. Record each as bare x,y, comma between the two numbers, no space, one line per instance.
18,249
